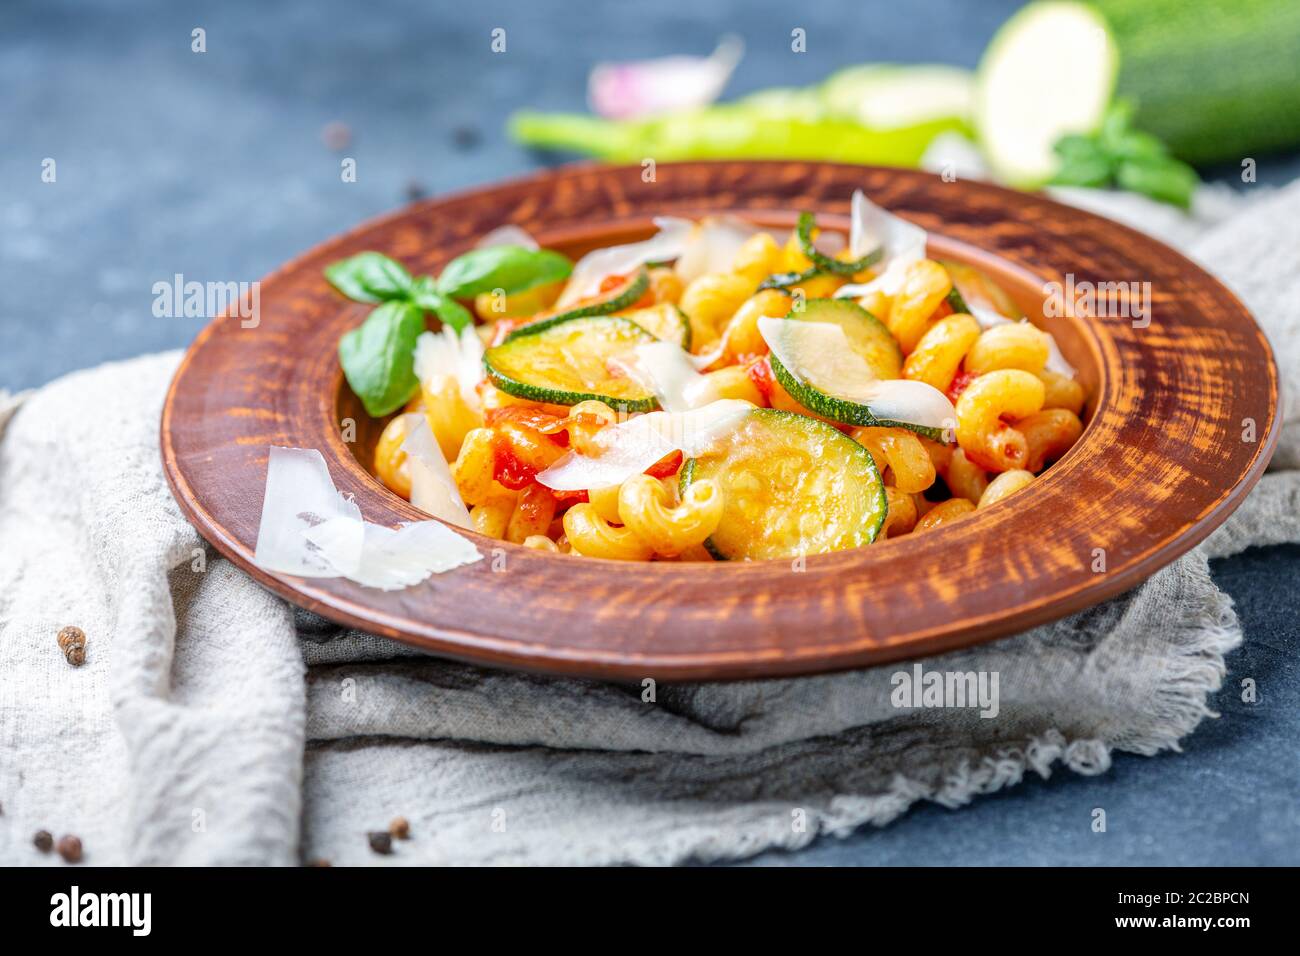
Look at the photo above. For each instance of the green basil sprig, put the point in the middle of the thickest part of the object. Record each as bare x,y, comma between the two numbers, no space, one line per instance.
378,356
1121,156
424,293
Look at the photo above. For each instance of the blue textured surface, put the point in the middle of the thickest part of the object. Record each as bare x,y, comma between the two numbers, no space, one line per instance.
213,165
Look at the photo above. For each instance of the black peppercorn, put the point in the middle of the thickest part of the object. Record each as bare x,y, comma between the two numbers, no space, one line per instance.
72,641
70,848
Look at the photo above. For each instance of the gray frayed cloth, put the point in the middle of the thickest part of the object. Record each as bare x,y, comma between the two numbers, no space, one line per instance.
213,723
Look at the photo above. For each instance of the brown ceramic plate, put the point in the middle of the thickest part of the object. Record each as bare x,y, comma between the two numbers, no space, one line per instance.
1161,463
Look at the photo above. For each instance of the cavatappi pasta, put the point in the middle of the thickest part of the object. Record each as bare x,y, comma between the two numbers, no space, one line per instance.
880,403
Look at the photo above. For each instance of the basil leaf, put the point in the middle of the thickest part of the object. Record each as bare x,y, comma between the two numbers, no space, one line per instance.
1092,171
378,357
1137,145
509,268
1126,157
425,294
369,277
1167,180
1077,146
1116,124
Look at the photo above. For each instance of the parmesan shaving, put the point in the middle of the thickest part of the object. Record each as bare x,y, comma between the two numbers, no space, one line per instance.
630,448
819,354
447,354
711,246
874,228
667,370
394,558
433,490
308,529
596,265
299,496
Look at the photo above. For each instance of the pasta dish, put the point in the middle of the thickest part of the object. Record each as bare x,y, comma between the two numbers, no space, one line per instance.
716,392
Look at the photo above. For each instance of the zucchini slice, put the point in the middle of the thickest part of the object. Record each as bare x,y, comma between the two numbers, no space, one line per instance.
568,362
784,281
823,372
617,300
868,336
955,301
665,322
792,486
824,262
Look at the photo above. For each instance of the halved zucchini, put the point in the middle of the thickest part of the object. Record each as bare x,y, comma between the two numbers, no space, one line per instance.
665,322
868,336
567,362
792,486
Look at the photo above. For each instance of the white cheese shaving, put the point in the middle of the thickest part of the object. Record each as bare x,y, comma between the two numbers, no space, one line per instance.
299,496
433,490
668,371
710,355
630,448
1056,361
394,558
448,354
819,354
711,246
874,228
665,245
308,529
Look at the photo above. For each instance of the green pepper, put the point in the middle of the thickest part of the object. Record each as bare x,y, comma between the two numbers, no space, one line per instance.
727,132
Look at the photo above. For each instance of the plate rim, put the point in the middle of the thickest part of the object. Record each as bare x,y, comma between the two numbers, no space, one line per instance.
812,657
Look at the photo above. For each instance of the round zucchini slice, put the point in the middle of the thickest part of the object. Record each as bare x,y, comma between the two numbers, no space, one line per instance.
791,486
572,361
622,296
868,336
824,262
665,322
824,373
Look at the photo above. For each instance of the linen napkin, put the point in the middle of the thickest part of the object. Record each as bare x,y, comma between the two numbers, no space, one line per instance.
213,723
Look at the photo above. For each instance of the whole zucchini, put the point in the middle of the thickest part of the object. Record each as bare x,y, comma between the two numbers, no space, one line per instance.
1214,79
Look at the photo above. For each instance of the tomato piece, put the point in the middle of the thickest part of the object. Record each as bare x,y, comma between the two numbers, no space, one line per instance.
508,469
760,373
959,383
563,499
536,501
533,417
504,327
665,466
